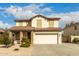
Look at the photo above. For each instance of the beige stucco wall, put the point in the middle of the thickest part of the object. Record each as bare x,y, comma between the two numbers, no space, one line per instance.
10,34
23,23
17,23
34,22
60,37
44,22
72,37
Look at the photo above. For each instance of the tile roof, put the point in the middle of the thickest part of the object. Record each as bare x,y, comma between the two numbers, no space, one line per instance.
48,29
2,30
20,20
45,17
21,28
26,28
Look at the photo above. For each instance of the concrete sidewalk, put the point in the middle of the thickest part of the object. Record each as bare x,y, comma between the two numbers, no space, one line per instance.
43,50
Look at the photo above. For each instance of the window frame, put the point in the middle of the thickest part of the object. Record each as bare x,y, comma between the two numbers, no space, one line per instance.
51,23
39,23
20,23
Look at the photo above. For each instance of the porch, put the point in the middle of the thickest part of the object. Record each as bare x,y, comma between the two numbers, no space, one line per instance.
18,32
19,35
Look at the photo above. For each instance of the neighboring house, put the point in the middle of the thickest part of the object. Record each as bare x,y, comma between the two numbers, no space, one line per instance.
1,33
70,32
39,29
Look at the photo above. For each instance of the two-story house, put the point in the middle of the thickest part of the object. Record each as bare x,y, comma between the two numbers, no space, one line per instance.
39,29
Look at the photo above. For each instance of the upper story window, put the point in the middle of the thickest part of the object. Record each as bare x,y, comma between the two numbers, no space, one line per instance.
39,23
51,23
20,24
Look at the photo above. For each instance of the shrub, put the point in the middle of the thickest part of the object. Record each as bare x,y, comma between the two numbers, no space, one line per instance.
1,40
75,40
25,42
6,40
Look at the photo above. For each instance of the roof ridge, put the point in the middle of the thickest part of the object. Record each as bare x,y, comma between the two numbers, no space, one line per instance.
56,18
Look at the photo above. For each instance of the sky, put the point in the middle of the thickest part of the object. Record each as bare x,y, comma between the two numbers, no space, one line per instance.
68,12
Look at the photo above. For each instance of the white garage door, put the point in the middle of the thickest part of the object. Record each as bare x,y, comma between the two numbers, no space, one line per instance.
45,39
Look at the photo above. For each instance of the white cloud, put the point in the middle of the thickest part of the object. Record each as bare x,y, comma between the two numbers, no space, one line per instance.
20,12
66,18
4,25
47,9
33,9
27,11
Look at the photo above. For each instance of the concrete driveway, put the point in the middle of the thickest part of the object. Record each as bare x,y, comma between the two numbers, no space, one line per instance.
43,50
56,50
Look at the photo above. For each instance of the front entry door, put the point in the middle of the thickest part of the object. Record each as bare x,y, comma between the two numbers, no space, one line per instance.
17,37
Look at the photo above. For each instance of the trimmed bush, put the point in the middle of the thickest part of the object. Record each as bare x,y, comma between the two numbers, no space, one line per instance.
76,40
25,42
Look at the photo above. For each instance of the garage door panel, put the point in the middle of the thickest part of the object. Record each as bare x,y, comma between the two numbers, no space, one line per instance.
45,39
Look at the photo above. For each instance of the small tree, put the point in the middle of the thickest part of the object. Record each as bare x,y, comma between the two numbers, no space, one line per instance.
25,42
6,40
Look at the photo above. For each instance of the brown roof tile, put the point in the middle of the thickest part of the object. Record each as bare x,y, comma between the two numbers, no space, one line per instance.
35,29
2,30
21,28
20,20
45,17
48,29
